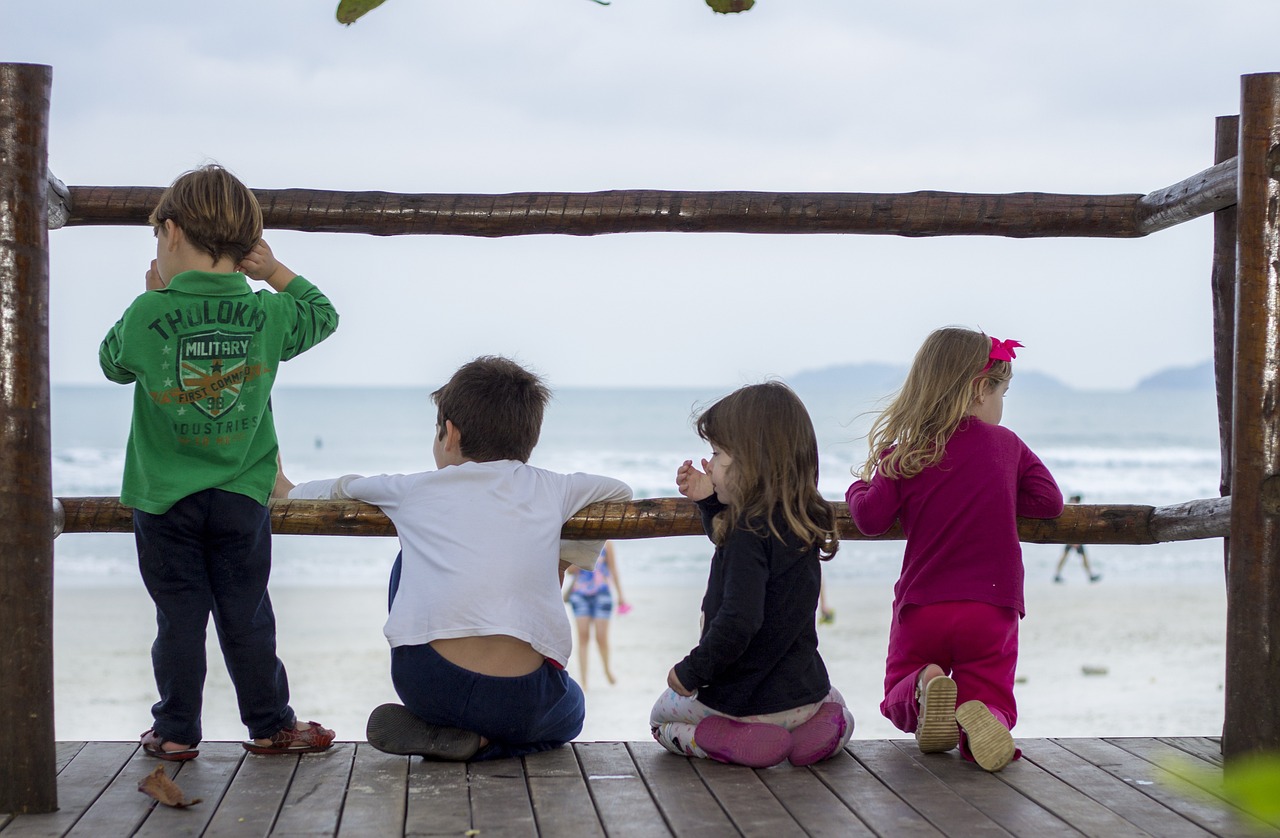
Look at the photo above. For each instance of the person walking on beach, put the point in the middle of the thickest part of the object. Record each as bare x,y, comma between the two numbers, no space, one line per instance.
202,351
755,691
940,462
1079,548
478,631
592,602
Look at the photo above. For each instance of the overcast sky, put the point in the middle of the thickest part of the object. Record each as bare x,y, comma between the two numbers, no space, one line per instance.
497,96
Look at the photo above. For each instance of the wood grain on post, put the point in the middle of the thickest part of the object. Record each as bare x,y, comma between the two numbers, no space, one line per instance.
1222,282
1202,193
1018,215
663,517
28,780
1252,718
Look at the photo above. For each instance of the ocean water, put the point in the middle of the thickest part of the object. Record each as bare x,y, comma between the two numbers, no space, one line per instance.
1151,447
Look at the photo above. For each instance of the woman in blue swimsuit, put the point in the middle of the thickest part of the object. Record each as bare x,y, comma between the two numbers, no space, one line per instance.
592,603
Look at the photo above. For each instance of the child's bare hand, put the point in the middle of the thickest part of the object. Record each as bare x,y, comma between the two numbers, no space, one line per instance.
693,484
261,264
283,484
673,681
154,281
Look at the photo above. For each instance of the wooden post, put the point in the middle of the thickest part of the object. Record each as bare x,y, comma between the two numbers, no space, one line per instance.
1252,719
1223,290
28,780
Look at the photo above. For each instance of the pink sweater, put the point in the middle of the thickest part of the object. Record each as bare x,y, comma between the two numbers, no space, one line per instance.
960,518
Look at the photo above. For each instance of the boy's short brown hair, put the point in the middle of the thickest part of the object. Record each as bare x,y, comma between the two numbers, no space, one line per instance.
217,213
497,405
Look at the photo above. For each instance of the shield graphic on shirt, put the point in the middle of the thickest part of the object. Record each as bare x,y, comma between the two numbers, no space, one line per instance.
212,369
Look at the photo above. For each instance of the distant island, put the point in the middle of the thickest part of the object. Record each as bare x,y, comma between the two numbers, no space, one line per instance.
884,378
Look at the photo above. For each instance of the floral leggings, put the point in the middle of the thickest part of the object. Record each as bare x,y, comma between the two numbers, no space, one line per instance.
674,718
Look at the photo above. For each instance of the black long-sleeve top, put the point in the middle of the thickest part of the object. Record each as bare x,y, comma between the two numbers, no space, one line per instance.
759,647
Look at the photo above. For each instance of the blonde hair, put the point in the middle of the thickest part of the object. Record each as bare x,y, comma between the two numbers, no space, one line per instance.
768,433
217,213
949,371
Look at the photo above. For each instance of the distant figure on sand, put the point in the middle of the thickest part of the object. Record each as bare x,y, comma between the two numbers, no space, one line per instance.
940,463
201,458
755,691
1079,548
592,602
478,632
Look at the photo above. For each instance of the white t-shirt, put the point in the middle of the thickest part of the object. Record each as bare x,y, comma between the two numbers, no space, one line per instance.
481,547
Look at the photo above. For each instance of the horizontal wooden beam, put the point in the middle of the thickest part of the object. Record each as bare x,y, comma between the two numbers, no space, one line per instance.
1017,215
1201,194
662,517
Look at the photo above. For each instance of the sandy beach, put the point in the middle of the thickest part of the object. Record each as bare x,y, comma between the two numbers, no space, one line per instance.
1125,657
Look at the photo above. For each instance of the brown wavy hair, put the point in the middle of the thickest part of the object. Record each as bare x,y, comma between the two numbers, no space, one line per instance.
767,431
945,377
218,214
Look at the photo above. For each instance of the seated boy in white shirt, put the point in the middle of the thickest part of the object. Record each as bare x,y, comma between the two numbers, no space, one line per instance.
478,632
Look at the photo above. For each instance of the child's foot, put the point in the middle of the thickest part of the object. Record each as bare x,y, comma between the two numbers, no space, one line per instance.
826,617
1058,579
936,729
818,737
988,741
742,743
302,738
393,729
156,747
609,677
1095,577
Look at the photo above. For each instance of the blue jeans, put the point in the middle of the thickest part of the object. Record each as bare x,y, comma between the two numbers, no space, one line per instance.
523,715
211,554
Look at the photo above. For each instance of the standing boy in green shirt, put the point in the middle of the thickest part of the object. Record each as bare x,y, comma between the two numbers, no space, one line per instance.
202,351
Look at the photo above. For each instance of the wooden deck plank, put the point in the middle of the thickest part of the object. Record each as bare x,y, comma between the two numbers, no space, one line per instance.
872,801
1192,779
688,805
437,801
1001,802
313,805
621,797
64,752
1119,788
814,806
208,777
375,801
950,813
562,804
745,798
253,800
1058,796
500,802
80,783
1203,747
1101,786
1156,783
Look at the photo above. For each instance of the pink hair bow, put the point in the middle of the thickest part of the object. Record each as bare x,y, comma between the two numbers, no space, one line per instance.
1001,350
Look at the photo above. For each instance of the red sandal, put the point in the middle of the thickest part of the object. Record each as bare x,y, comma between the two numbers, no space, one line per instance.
153,745
290,740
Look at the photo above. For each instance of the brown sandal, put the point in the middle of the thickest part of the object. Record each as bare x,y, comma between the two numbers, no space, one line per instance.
290,740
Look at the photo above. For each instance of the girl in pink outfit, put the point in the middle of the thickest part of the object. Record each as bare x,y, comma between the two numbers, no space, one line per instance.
941,464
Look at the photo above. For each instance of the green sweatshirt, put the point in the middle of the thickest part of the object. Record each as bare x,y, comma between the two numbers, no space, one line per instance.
203,353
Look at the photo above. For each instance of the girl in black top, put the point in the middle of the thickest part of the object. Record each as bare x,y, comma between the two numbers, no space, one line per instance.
755,691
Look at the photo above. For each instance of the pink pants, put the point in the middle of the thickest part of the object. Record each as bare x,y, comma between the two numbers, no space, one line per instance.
975,643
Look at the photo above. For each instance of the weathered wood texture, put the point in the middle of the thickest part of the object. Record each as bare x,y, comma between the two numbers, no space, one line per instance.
1202,193
1018,215
27,755
1253,585
1222,282
1125,787
662,517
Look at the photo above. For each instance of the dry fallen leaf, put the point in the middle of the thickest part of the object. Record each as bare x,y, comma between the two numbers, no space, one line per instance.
158,785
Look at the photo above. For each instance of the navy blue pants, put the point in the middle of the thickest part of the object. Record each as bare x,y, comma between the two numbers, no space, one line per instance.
211,554
524,715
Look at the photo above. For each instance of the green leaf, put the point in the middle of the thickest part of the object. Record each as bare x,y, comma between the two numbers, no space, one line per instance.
349,11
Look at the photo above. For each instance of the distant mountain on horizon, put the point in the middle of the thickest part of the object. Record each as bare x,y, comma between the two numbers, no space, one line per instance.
884,378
